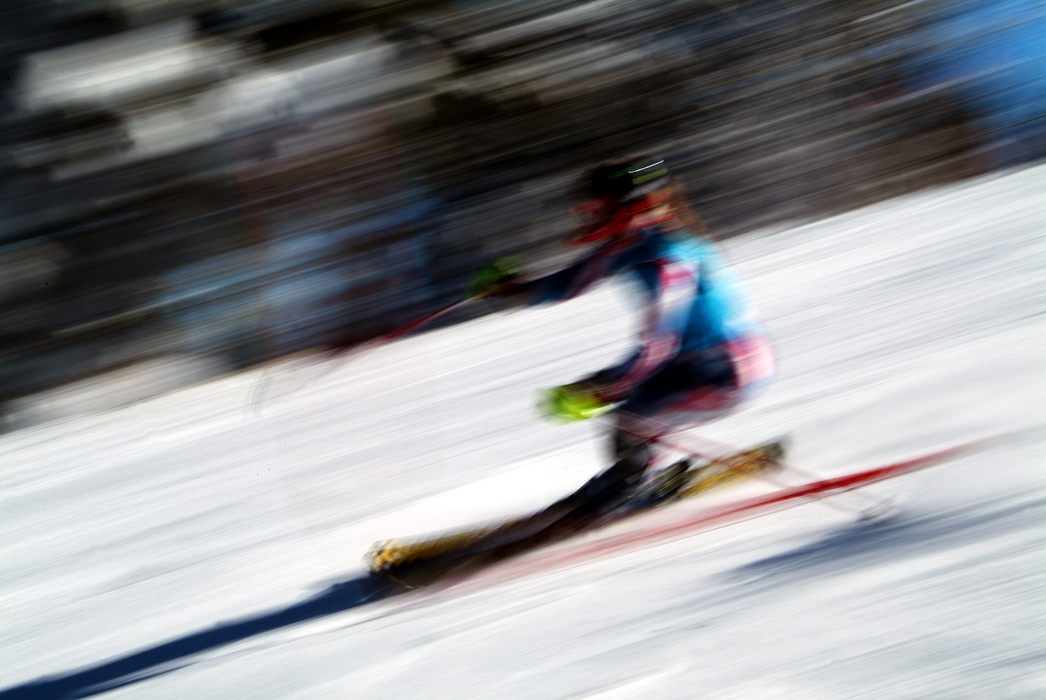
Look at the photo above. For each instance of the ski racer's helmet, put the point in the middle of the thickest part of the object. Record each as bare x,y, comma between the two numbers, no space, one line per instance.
628,180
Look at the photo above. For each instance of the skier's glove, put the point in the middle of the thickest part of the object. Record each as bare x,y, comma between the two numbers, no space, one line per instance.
493,278
572,402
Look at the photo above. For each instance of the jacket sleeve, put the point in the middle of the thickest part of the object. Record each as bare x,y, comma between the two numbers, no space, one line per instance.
675,288
573,280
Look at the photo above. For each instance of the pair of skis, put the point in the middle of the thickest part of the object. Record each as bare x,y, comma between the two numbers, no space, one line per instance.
421,561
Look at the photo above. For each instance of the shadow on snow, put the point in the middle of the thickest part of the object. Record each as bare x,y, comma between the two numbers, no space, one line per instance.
852,547
164,658
860,545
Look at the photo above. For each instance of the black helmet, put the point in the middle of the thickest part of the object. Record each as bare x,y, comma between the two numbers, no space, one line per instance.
628,178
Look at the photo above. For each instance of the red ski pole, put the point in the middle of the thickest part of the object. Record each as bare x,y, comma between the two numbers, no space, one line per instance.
403,330
858,503
351,352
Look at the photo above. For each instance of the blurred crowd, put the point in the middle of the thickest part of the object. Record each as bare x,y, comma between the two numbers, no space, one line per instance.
236,180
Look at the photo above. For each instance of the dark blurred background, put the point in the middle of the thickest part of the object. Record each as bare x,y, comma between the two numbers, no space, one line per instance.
197,186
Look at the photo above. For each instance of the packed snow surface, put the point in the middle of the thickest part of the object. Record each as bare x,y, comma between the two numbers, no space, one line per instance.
197,546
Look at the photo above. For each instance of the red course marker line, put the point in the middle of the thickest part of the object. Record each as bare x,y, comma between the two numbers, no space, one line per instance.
569,555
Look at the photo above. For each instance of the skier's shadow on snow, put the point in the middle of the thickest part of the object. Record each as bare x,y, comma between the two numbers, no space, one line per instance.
849,548
900,537
172,655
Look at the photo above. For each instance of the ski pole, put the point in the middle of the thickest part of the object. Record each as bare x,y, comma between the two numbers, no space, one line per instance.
403,330
656,431
351,352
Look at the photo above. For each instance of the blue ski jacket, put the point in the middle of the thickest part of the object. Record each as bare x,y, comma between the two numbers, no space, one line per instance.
693,302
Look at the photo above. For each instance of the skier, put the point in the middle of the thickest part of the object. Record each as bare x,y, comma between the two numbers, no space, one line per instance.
702,351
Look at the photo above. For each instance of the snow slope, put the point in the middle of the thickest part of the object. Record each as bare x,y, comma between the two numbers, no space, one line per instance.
189,547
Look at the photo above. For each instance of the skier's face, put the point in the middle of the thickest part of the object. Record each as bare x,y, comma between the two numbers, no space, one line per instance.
595,211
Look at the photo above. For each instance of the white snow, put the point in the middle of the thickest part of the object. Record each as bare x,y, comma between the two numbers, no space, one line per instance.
901,328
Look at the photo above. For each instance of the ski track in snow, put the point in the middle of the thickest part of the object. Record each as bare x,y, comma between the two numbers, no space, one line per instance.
187,546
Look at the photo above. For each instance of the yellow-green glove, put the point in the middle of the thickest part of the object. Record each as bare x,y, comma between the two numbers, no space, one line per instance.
492,278
571,402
